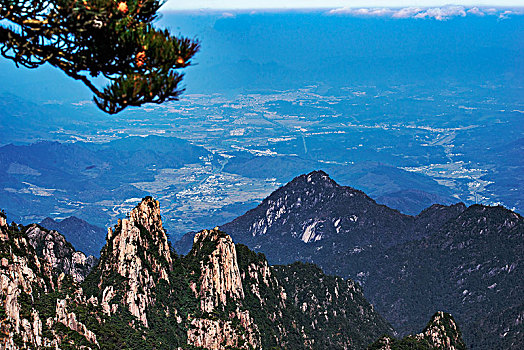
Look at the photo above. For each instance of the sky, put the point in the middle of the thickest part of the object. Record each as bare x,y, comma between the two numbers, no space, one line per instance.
291,4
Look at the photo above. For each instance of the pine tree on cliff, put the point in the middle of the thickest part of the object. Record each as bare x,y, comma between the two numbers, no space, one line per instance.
86,39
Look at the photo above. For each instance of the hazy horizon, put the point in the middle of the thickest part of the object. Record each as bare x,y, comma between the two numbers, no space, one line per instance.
331,4
425,99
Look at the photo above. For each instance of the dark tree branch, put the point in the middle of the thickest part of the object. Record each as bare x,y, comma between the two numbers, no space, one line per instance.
88,38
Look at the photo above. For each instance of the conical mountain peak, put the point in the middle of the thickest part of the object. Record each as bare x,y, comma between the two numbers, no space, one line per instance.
137,250
141,231
317,178
147,214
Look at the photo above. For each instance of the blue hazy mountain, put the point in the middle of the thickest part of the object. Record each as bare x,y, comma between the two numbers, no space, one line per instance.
95,181
87,238
88,180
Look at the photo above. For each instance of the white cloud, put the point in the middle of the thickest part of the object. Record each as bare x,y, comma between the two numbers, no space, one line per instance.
505,14
362,11
437,13
442,13
407,12
476,11
324,4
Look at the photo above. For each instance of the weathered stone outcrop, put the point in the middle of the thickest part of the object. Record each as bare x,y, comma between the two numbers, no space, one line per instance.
220,276
69,319
22,277
441,333
220,334
60,254
137,250
220,283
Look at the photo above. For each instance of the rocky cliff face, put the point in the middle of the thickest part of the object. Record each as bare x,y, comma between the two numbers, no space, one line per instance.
59,253
29,286
219,289
137,250
472,267
69,319
219,334
142,295
22,276
220,277
441,333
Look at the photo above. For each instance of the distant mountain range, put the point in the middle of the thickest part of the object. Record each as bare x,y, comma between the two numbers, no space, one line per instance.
326,219
85,237
95,181
467,261
142,295
86,180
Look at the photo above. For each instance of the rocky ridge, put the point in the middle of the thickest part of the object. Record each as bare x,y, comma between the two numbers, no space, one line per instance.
314,219
141,294
466,261
82,235
336,211
30,288
59,253
441,332
22,276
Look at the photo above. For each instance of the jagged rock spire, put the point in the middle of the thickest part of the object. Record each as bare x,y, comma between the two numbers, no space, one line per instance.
220,275
142,231
442,332
138,250
53,248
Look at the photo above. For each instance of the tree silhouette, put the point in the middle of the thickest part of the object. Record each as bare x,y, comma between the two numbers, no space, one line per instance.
91,38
